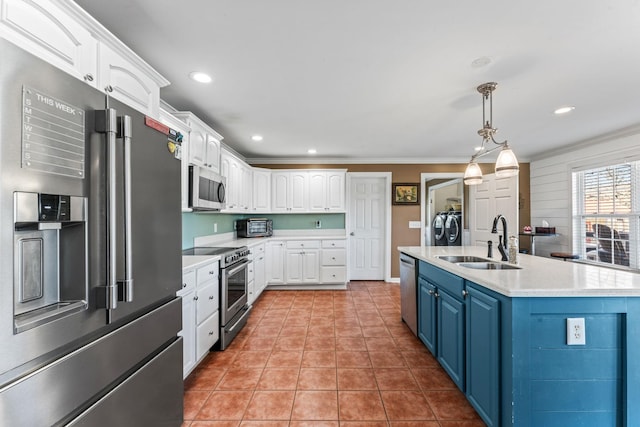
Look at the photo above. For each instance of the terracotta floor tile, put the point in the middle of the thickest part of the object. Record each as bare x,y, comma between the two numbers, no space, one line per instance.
317,379
270,405
225,405
420,359
278,379
304,313
408,343
321,330
193,401
363,424
284,359
353,359
315,405
356,379
386,359
316,423
264,423
380,343
251,359
406,405
375,331
240,379
415,424
360,406
350,344
290,343
259,343
293,331
216,359
319,359
215,424
395,379
296,321
465,423
263,331
204,379
450,405
433,379
320,343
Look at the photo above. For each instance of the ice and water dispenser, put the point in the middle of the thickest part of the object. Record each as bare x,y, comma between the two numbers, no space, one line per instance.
50,262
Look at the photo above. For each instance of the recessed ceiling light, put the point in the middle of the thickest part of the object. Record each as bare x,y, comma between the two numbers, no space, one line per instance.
311,151
200,77
257,137
564,110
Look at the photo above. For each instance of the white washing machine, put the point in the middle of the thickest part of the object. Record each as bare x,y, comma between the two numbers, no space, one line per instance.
438,228
453,228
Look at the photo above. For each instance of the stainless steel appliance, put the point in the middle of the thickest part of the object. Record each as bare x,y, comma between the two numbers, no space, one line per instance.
438,226
409,292
234,309
88,267
453,228
254,227
206,189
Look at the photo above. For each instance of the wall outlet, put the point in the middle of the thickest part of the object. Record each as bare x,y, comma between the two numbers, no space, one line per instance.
215,227
318,224
576,332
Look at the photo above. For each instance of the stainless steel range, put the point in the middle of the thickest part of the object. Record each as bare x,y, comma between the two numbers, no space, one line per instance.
234,310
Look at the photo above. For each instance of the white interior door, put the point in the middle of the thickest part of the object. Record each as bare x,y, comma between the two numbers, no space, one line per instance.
367,226
493,197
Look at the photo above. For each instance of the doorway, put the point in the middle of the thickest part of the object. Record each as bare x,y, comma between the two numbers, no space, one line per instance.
368,222
442,186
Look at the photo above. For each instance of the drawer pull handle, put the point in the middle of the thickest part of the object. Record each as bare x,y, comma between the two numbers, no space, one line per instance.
210,296
195,298
212,272
184,285
210,332
464,293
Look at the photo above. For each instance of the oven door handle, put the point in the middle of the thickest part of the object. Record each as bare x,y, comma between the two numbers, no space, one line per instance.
242,264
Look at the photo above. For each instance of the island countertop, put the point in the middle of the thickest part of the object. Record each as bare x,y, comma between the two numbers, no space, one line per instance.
537,276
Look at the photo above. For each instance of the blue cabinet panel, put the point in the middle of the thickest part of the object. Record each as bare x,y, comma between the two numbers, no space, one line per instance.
442,279
450,348
427,314
549,330
575,396
574,363
483,354
571,419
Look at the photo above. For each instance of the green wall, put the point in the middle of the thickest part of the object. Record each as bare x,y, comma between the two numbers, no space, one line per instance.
196,224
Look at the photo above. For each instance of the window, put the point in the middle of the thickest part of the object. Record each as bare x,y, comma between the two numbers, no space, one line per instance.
606,214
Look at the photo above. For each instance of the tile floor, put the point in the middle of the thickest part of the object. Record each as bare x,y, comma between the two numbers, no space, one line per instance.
325,358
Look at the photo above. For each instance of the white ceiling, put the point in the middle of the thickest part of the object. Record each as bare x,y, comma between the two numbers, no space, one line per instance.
376,80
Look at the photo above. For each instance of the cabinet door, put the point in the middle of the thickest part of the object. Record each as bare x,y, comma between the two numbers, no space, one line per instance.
275,262
261,190
427,307
259,274
280,191
207,334
246,187
336,191
234,183
294,266
130,85
188,333
450,347
483,354
212,155
176,124
197,147
206,301
317,191
299,191
49,33
311,266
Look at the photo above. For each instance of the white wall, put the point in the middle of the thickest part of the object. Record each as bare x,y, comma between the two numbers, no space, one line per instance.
551,191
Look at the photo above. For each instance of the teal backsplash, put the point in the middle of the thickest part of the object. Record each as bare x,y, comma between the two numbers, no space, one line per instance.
196,224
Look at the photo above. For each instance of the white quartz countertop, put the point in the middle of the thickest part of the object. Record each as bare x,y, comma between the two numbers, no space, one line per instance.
537,277
194,260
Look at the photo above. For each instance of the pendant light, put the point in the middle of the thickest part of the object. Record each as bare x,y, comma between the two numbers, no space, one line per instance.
507,163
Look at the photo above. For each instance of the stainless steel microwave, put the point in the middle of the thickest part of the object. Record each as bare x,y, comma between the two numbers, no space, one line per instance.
206,189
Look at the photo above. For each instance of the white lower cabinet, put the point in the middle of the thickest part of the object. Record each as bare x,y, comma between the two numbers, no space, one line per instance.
256,272
200,312
275,255
302,262
334,261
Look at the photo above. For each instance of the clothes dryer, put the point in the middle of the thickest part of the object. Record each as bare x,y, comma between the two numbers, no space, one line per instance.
438,229
453,228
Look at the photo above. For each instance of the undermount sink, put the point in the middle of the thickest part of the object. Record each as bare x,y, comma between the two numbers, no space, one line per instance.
462,258
488,266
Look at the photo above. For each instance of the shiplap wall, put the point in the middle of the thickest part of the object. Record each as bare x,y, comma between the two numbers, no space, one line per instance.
551,192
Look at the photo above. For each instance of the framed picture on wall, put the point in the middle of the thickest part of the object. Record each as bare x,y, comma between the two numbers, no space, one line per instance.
406,194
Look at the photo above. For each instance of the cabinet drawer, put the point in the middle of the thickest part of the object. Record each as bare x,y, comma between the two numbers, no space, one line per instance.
303,244
339,243
257,250
251,271
188,282
207,334
207,272
334,256
442,279
207,301
333,274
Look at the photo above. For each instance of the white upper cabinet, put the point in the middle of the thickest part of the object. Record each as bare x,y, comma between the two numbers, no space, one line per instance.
204,142
48,32
308,190
63,34
167,118
261,190
239,182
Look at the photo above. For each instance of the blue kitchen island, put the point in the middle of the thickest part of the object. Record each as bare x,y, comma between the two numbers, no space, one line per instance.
502,336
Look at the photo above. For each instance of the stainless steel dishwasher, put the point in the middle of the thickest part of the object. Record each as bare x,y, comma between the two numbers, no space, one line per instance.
408,292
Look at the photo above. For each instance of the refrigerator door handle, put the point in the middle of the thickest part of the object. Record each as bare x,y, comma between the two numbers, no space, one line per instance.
125,286
106,122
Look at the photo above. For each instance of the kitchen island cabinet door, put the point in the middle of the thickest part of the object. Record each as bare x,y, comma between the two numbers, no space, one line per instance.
483,354
427,307
451,338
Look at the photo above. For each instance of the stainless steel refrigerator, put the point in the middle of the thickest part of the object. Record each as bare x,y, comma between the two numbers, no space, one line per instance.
90,255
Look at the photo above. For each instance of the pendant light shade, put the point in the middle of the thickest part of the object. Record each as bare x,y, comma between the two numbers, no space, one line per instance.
506,164
473,174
